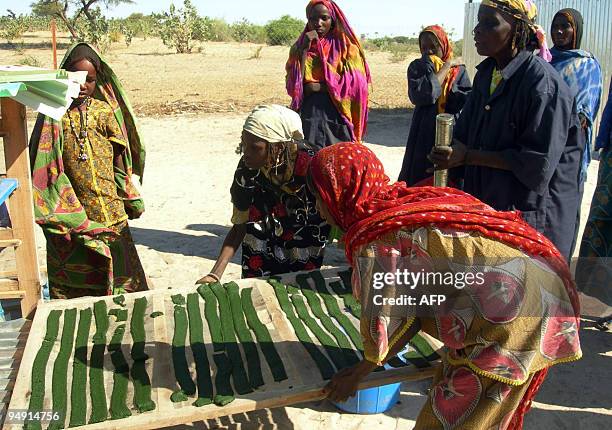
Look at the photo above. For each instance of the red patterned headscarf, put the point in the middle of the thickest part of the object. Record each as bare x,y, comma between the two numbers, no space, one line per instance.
436,30
351,181
447,54
346,71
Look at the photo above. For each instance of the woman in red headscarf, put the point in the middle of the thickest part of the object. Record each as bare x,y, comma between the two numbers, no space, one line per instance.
511,309
436,84
328,77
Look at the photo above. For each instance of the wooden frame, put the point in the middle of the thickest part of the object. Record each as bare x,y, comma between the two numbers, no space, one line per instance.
26,286
304,384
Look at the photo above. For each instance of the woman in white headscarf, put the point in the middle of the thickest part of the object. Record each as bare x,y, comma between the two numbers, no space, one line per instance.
274,215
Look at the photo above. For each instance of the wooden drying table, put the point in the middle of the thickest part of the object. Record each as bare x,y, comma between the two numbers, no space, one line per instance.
304,381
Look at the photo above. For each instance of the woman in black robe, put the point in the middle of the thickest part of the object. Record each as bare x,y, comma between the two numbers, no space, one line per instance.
435,85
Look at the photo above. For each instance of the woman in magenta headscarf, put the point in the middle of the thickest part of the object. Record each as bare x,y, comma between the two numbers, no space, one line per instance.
328,77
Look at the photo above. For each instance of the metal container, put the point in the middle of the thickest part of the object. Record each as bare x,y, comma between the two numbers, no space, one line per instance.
444,136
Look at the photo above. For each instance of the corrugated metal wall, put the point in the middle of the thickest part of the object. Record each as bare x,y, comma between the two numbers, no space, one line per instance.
597,32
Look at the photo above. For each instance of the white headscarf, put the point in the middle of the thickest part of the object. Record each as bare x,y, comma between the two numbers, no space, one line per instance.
274,124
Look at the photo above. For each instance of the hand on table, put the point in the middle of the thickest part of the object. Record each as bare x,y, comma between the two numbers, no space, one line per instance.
344,384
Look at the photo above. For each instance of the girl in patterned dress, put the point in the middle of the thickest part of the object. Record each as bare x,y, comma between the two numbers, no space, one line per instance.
83,190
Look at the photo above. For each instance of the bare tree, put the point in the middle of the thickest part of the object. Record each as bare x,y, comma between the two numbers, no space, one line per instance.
59,9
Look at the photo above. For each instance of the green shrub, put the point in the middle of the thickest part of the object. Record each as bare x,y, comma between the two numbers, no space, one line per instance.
140,25
458,48
12,28
128,32
179,27
399,53
30,60
284,31
245,31
214,30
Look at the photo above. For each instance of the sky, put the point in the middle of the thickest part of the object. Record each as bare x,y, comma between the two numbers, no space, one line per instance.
385,17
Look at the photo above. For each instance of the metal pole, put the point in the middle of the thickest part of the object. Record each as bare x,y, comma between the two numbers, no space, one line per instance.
54,42
444,136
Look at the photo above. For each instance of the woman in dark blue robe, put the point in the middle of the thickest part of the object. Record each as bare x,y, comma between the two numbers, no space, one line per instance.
435,85
518,141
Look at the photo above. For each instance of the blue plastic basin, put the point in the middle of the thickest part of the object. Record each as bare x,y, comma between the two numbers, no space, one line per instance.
372,400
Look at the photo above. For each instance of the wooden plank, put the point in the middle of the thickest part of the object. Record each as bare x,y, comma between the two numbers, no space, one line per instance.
7,243
21,391
6,233
12,274
155,420
163,372
12,294
9,285
16,155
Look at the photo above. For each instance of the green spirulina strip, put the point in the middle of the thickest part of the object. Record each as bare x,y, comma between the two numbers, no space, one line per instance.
263,336
212,317
121,376
325,367
140,378
179,360
224,392
241,382
333,351
196,339
137,329
119,314
39,367
347,293
178,299
119,300
341,340
96,368
78,396
349,301
59,386
416,359
244,335
332,307
424,348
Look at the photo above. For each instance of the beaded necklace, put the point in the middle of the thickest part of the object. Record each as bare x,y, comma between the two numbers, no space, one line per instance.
81,136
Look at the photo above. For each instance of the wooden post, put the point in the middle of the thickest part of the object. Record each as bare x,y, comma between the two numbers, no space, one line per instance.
54,42
21,207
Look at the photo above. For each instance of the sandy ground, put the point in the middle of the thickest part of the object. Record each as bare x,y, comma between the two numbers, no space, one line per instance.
190,165
224,77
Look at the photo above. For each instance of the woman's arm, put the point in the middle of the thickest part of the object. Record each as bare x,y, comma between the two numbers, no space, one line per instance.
534,155
345,383
441,75
424,88
231,243
447,157
118,156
